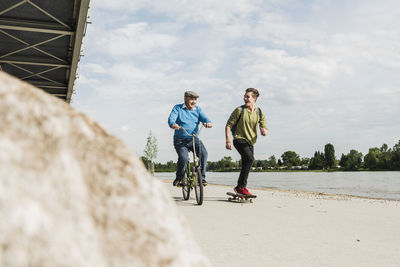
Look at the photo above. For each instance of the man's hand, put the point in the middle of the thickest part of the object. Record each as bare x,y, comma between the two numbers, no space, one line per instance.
263,131
228,145
208,125
175,126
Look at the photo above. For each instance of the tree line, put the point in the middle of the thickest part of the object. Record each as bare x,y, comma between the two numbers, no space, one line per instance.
377,159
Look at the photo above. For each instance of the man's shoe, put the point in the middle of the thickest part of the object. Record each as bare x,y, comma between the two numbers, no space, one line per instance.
177,182
246,192
242,190
204,182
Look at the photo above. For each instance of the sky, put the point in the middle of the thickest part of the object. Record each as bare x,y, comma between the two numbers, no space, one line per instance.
327,71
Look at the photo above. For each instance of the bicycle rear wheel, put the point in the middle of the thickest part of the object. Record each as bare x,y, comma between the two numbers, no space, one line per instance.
198,188
186,187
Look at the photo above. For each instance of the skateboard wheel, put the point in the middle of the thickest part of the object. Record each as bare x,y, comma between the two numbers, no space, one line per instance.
251,201
230,199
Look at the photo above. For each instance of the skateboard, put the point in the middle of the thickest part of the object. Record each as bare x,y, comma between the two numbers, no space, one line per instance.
240,197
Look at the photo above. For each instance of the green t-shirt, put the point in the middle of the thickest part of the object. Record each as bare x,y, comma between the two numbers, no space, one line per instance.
246,127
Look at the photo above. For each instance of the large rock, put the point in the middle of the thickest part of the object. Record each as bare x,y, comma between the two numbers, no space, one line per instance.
73,195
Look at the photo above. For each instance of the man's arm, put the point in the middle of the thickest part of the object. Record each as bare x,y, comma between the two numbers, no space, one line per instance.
203,119
228,143
263,125
263,131
172,118
233,118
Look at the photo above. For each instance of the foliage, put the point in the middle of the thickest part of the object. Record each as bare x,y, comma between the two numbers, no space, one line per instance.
170,166
330,159
225,163
383,158
396,156
151,151
272,163
352,161
290,158
317,162
305,161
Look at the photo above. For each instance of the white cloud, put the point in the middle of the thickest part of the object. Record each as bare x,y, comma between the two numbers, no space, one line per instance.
134,39
205,11
296,78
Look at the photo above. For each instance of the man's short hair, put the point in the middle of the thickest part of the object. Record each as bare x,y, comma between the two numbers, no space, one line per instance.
254,91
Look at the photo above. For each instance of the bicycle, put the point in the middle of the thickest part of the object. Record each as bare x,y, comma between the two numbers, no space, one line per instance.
193,179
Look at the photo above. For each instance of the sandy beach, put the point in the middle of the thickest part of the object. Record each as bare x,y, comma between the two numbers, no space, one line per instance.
293,228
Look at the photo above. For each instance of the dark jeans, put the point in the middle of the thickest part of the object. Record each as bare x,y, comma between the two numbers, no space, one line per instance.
246,151
182,146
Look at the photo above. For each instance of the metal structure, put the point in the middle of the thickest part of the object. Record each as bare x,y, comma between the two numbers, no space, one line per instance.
40,42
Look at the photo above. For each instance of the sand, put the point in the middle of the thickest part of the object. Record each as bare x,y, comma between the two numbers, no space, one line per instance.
293,228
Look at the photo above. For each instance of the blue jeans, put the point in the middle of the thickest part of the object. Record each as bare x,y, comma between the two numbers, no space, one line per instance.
182,146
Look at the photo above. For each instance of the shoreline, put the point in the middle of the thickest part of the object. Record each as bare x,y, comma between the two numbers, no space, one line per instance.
293,191
294,170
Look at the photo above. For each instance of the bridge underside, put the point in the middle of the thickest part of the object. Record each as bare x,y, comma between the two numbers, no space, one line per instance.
40,42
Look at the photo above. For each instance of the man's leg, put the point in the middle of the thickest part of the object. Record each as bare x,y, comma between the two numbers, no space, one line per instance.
246,152
202,151
182,151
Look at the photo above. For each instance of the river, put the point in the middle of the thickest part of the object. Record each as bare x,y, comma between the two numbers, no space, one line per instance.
382,185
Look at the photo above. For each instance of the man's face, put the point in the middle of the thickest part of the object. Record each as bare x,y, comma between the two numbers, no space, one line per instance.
249,99
190,102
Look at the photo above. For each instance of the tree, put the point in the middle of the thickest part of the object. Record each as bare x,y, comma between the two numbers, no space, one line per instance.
145,161
225,163
343,161
330,159
150,151
280,162
395,162
371,160
305,161
351,161
317,162
272,162
384,157
290,158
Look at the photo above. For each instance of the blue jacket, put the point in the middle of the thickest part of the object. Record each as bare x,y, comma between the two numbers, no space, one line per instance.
188,119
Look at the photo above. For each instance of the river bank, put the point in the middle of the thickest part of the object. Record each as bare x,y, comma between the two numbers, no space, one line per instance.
379,185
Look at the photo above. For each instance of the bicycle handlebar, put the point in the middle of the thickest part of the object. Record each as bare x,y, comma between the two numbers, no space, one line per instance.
180,127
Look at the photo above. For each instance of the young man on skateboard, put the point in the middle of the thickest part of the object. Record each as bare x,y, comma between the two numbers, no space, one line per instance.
243,124
188,116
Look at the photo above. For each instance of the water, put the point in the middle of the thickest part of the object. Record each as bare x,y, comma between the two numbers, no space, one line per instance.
384,185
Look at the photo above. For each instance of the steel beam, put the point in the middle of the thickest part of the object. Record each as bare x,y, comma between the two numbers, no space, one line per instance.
80,30
12,7
48,14
32,29
34,63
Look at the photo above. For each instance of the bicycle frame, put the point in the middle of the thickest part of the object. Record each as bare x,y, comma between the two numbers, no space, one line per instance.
193,178
190,171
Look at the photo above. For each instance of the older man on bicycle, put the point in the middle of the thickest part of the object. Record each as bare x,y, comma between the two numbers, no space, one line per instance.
188,116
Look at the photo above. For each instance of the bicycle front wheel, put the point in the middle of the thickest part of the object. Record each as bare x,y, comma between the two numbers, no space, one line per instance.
186,187
198,188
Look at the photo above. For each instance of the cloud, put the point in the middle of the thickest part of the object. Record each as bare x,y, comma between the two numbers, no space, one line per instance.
204,12
133,39
287,77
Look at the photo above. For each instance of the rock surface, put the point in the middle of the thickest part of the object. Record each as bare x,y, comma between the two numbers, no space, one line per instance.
73,195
